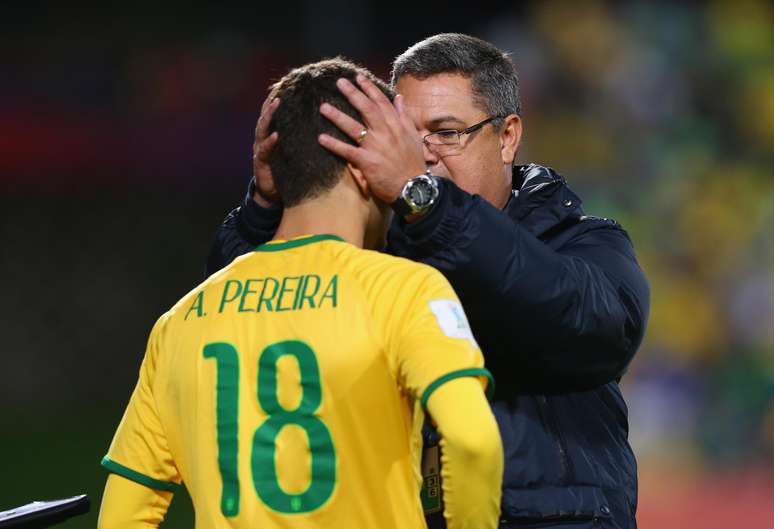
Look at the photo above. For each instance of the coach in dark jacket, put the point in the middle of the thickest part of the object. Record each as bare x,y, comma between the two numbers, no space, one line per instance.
555,298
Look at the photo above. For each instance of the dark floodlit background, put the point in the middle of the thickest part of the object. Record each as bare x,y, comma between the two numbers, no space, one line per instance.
125,137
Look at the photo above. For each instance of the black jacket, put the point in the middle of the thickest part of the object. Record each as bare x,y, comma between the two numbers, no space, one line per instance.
559,305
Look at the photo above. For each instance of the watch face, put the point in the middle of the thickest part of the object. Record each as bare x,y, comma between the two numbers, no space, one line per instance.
421,193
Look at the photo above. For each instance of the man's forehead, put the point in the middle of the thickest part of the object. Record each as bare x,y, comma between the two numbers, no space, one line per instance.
441,98
453,87
433,120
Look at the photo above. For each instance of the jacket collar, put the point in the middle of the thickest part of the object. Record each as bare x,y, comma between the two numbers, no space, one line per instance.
541,199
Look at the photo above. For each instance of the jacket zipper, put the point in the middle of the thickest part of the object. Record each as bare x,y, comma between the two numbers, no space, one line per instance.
564,460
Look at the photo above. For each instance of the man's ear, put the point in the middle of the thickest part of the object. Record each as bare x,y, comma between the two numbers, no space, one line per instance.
360,180
510,137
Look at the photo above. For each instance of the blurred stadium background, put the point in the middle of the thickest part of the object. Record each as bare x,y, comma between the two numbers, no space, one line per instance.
125,137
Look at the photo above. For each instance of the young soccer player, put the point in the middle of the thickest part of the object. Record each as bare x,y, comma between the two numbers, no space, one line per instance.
290,388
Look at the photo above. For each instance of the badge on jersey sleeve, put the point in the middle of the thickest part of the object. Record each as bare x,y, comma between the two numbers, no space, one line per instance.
431,480
452,320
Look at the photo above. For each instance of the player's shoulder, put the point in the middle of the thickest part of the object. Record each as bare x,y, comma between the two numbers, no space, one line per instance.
377,263
382,273
193,306
194,300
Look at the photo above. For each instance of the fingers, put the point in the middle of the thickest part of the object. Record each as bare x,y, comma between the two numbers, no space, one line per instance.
344,122
265,147
399,108
267,111
349,152
370,111
375,94
266,102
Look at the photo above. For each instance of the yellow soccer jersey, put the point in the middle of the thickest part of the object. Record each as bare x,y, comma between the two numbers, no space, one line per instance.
288,389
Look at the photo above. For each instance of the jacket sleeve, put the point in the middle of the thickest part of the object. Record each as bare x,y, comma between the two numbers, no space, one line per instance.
570,318
245,227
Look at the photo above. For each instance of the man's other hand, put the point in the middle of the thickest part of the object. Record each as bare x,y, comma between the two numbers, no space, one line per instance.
265,192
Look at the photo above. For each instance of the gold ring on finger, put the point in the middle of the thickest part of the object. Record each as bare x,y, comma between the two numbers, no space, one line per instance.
361,137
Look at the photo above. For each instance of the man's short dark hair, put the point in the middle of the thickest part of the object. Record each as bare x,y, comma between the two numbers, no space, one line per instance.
495,83
301,167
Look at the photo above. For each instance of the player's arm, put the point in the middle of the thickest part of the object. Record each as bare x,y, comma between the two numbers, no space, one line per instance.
143,473
129,505
471,454
438,361
246,227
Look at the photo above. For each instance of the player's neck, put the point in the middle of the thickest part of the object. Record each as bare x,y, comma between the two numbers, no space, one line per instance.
324,215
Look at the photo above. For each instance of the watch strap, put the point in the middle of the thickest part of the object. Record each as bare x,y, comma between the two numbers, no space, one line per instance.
401,207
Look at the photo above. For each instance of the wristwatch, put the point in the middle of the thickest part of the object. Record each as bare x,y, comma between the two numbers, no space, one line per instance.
417,196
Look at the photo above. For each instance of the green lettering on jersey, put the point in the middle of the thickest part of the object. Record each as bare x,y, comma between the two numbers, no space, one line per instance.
227,421
305,294
322,451
245,293
330,292
299,291
225,297
197,306
264,457
283,291
264,297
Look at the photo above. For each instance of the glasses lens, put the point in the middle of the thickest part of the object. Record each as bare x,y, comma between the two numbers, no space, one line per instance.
443,137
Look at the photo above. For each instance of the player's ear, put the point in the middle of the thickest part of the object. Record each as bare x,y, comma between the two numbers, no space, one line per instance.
360,180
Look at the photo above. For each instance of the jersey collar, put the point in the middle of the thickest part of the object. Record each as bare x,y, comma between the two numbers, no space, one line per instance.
276,246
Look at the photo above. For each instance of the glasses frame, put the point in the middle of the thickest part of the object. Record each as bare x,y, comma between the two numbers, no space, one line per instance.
460,133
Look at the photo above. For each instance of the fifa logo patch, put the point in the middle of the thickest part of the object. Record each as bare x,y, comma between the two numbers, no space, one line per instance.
452,320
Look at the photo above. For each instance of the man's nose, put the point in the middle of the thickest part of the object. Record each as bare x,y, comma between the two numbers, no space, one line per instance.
431,158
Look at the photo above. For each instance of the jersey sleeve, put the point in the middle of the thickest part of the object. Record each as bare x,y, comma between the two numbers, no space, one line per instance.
128,505
472,455
431,341
139,450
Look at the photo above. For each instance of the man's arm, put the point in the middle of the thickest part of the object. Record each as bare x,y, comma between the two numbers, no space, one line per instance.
471,454
574,316
129,505
435,359
246,227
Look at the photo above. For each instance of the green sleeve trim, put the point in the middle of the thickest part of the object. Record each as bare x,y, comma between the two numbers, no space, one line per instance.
135,476
472,372
294,243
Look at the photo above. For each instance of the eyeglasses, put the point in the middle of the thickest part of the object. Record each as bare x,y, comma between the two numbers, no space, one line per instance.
451,137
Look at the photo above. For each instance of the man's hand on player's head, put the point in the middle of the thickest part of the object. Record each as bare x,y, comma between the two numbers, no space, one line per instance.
265,192
390,151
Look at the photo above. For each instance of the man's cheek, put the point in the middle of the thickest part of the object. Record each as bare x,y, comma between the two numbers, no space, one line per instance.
456,172
442,170
465,179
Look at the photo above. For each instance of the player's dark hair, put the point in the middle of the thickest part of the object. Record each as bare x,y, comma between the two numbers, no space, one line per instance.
301,167
495,83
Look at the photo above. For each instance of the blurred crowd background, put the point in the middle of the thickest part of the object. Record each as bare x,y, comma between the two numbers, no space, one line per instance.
125,137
